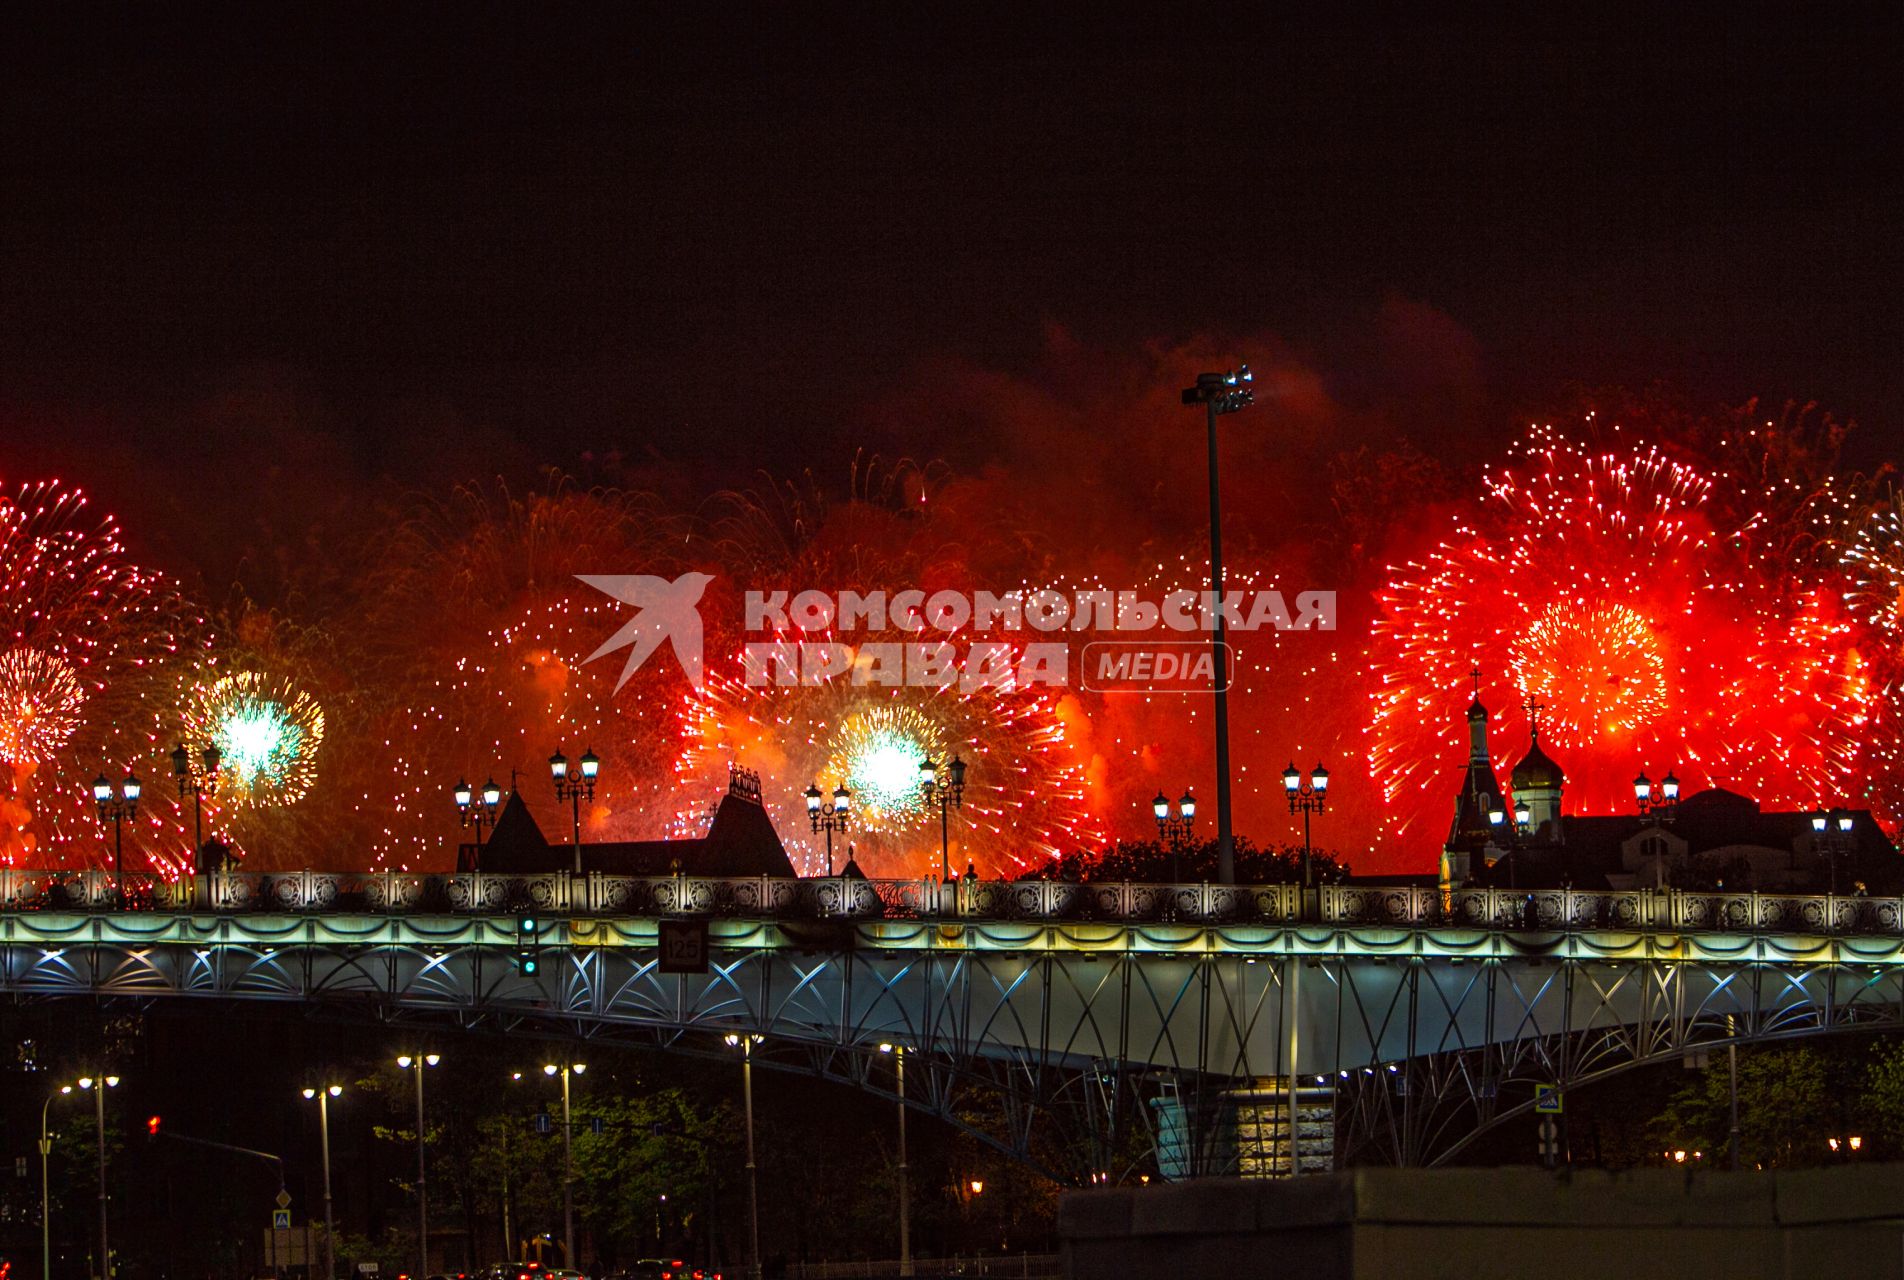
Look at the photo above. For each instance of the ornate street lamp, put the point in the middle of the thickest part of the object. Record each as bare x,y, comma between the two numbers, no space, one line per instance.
830,816
1831,836
948,796
1174,829
1220,393
196,782
117,810
574,788
475,811
1661,807
1306,797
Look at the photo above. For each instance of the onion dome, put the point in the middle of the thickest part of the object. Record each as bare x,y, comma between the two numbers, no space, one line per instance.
1536,772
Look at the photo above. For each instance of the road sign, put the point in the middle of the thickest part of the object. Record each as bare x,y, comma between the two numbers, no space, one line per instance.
366,1268
284,1198
683,946
280,1219
1547,1100
594,1124
543,1125
1549,1142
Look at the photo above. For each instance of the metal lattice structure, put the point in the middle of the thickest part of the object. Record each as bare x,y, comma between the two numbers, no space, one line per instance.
1072,1017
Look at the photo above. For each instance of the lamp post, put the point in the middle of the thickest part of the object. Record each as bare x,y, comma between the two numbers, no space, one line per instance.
116,809
830,816
745,1043
1220,393
1174,829
905,1190
1831,835
46,1199
99,1087
1510,836
323,1096
568,1159
1306,797
416,1063
197,783
474,812
1663,807
574,789
948,796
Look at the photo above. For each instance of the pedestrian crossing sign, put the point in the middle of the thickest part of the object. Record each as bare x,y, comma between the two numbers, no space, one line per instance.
280,1219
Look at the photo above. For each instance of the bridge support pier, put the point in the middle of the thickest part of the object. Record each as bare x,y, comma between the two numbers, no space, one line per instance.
1244,1130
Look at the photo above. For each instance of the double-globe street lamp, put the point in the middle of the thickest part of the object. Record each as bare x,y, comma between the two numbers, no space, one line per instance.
830,816
98,1089
474,812
197,782
1306,797
1220,393
1175,828
417,1063
947,795
1663,807
98,1086
566,1071
1831,836
117,810
323,1095
574,787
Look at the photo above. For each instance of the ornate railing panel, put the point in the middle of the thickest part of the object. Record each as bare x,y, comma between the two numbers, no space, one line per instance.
1407,906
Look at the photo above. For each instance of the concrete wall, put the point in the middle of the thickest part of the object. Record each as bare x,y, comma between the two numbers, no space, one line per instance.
1478,1224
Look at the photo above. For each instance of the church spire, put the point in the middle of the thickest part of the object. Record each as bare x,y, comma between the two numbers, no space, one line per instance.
1477,723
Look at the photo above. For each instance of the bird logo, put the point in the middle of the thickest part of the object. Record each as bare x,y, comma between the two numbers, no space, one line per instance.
665,611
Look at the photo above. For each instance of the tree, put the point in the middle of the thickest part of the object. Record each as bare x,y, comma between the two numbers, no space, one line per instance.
1786,1110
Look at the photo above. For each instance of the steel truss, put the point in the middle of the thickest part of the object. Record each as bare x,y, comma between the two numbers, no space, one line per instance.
1053,1037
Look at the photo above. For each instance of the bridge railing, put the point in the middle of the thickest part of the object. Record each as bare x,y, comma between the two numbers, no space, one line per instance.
594,894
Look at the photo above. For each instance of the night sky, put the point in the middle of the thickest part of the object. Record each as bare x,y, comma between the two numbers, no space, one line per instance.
749,238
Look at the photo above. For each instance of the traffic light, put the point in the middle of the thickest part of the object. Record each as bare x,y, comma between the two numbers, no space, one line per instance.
152,1126
527,960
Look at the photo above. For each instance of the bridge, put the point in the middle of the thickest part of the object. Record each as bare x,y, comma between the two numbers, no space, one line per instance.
1092,1024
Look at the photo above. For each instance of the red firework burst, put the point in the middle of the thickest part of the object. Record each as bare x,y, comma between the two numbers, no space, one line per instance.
89,642
1637,601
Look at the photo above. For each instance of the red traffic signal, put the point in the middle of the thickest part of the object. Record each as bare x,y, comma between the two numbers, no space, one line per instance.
152,1126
